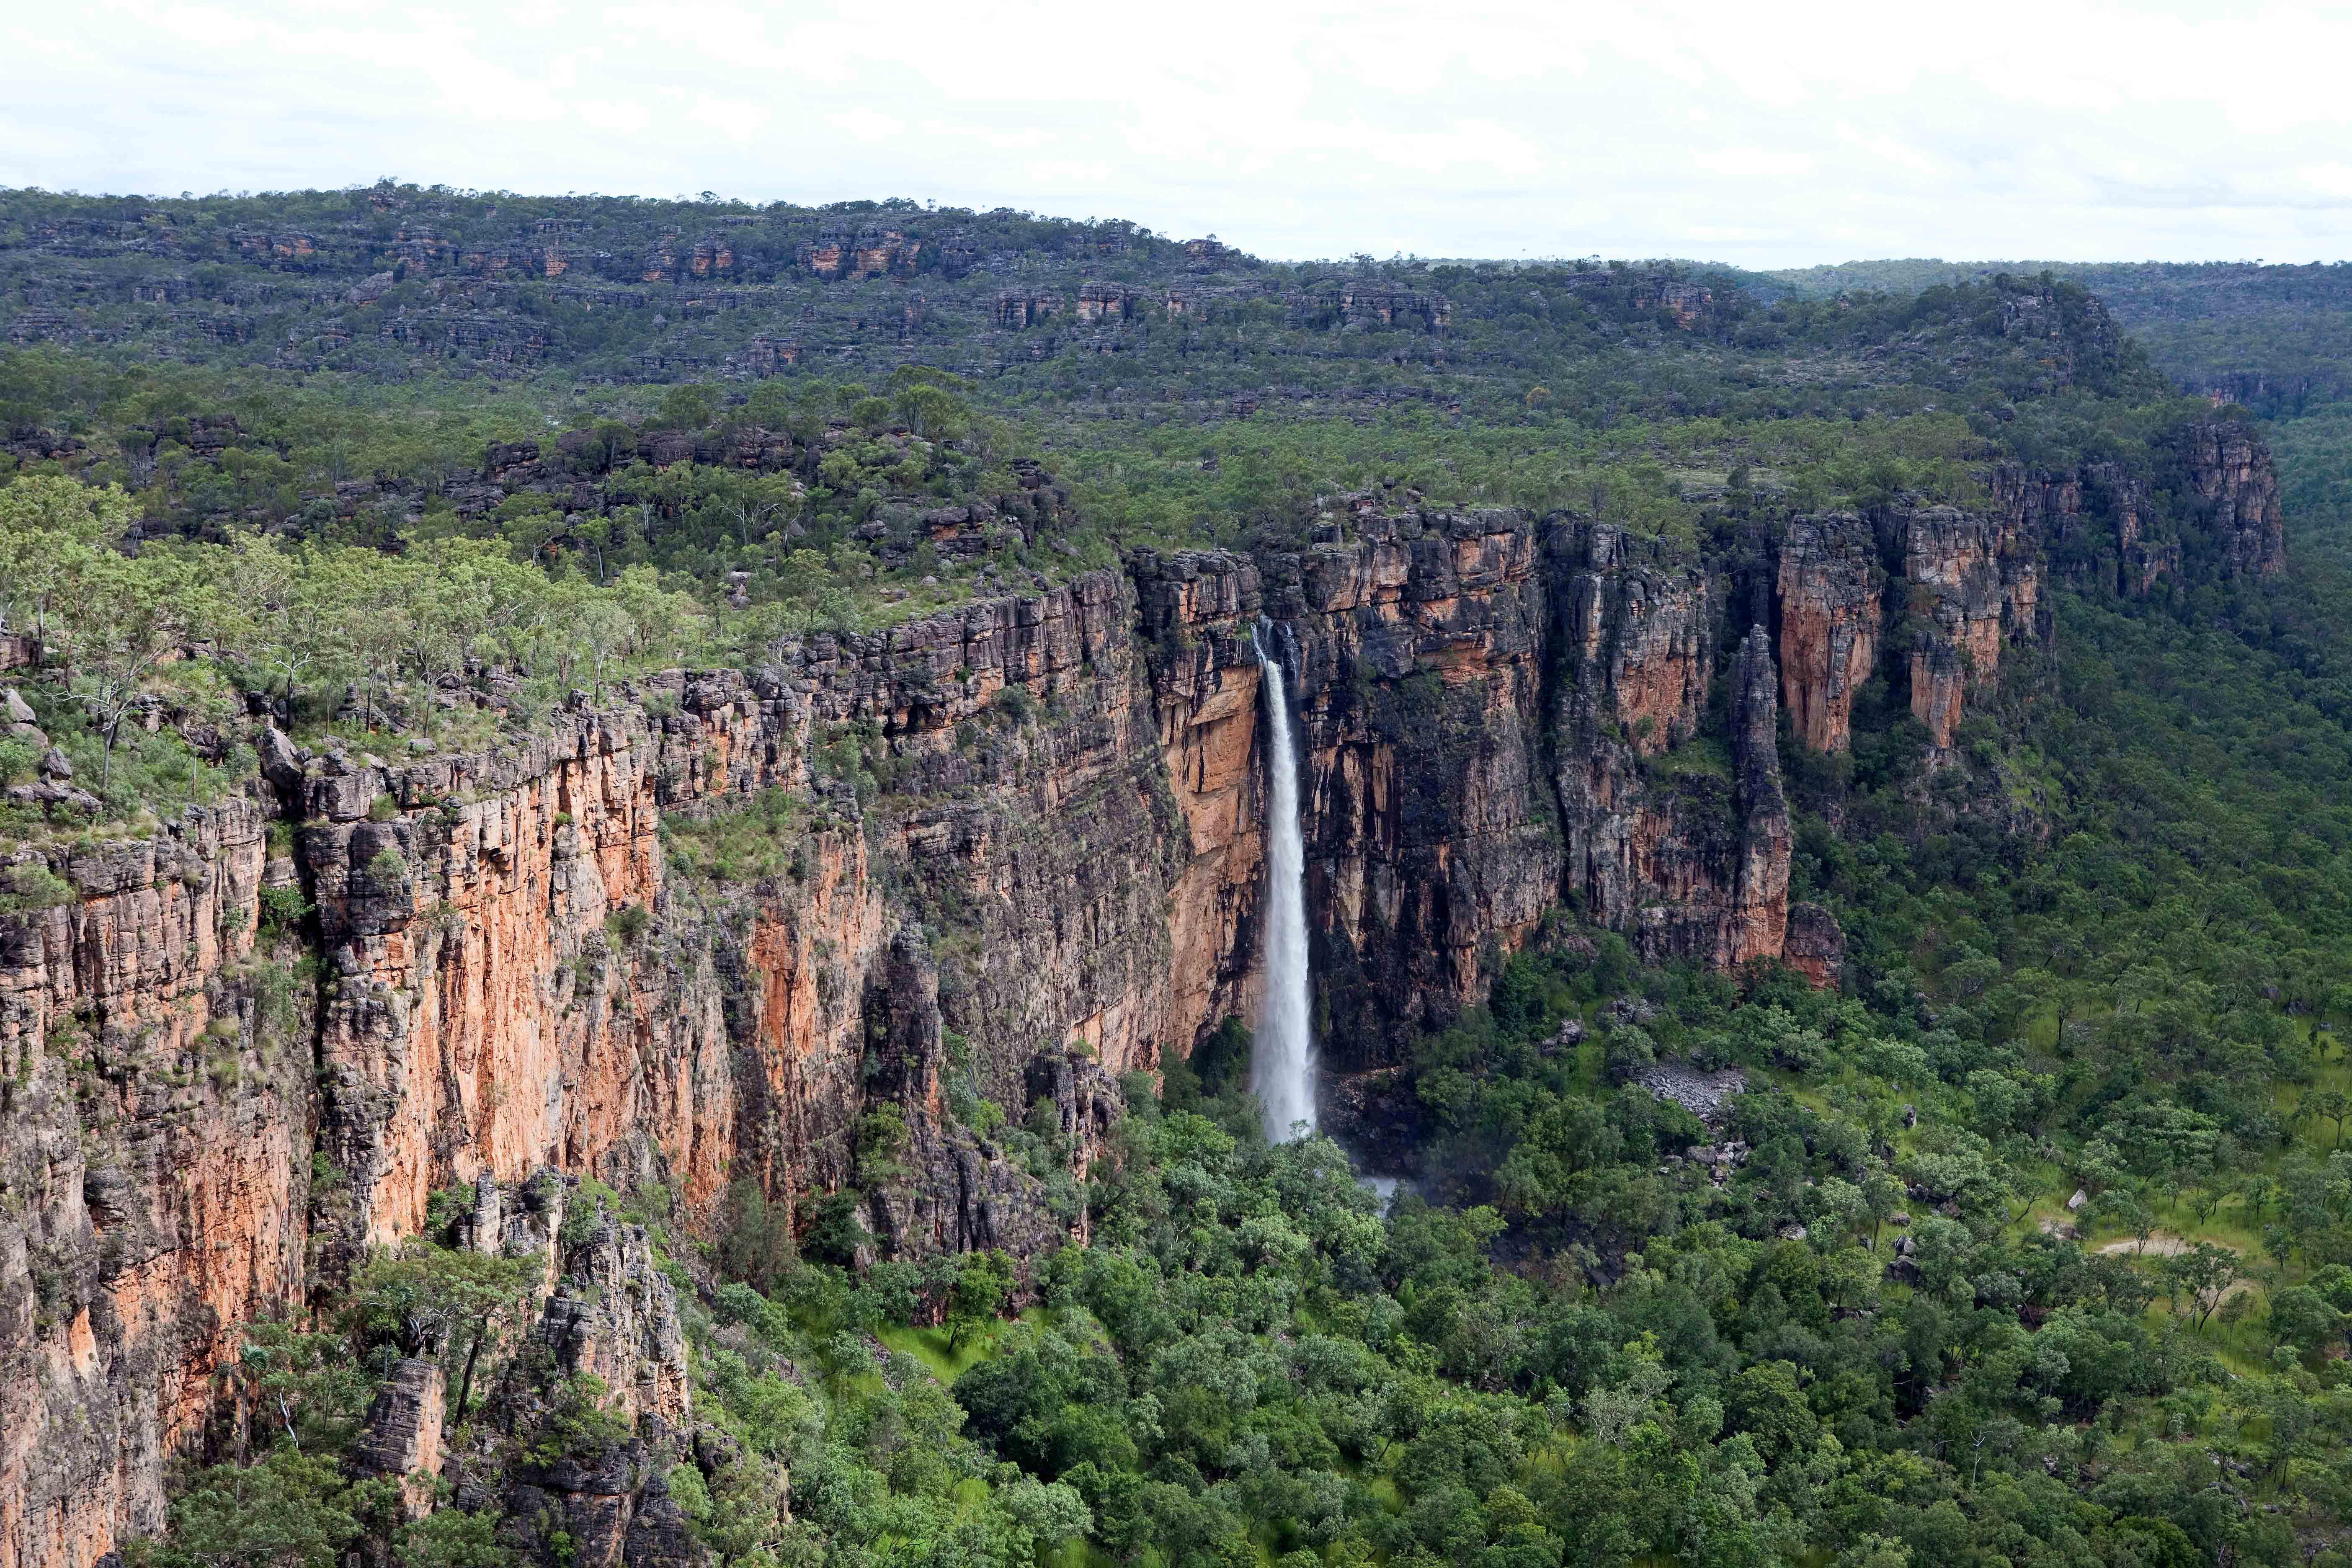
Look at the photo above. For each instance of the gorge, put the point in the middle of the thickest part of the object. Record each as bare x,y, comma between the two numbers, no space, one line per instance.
1123,855
735,889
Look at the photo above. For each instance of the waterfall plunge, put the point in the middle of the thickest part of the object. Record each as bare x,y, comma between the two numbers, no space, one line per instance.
1283,1065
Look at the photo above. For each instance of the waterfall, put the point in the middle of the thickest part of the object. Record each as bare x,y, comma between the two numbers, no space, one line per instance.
1283,1065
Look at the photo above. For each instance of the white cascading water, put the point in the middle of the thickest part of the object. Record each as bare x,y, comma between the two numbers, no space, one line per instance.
1283,1064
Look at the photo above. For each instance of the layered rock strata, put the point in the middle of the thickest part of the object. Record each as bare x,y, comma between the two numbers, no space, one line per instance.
1973,586
737,925
1677,838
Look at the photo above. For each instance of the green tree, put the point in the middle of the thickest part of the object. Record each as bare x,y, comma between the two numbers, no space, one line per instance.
429,1300
690,407
293,1510
2204,1272
116,619
735,1511
2303,1317
306,1383
983,1280
453,1538
2332,1105
50,528
1765,1403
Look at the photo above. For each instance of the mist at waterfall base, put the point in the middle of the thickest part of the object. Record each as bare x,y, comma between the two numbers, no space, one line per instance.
1282,1063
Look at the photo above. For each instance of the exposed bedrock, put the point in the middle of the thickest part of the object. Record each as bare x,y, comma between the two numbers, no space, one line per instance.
1831,591
738,925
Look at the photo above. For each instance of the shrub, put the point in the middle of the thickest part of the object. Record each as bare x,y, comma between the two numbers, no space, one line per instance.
31,887
577,1425
755,1242
282,908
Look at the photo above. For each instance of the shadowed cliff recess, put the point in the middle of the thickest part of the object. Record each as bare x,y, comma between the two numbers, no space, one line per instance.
649,949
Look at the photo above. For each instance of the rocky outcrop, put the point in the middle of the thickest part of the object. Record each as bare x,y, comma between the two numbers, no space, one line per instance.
1829,596
2229,471
1020,840
1758,913
401,1439
1973,585
945,1189
1415,642
491,1013
1814,946
1198,611
1941,589
516,976
1497,711
614,1316
604,1506
153,1169
1017,310
2095,527
1676,839
2102,526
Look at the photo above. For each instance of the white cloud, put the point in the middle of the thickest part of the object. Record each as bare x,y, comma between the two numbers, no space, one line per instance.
1764,135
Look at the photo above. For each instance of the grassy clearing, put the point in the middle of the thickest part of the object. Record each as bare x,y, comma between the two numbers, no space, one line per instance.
931,1347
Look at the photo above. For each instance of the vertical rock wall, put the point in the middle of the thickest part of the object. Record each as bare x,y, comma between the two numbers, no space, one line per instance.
1829,589
1973,583
1198,611
2229,471
1022,841
153,1171
1418,641
1678,839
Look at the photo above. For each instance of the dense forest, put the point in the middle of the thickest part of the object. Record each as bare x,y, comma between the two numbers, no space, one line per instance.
2274,339
2027,1238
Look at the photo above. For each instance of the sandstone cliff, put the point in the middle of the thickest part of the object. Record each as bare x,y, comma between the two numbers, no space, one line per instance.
1678,839
2229,470
154,1089
1014,849
1829,587
1942,591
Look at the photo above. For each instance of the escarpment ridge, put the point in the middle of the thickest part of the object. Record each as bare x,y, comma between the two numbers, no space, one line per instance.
1014,849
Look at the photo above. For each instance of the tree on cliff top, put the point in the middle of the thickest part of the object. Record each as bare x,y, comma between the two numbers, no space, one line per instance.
48,528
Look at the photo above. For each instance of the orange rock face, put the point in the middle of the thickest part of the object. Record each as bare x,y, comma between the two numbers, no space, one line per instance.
484,1013
1828,590
1023,841
1417,662
150,1149
1209,732
1974,585
1684,848
809,952
481,1020
2231,472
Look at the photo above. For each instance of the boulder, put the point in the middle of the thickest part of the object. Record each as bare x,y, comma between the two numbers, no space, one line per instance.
402,1438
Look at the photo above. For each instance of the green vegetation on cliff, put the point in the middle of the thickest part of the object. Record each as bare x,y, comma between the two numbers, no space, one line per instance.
412,484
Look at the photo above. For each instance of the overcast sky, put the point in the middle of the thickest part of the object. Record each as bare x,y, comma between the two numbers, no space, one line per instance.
1764,135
